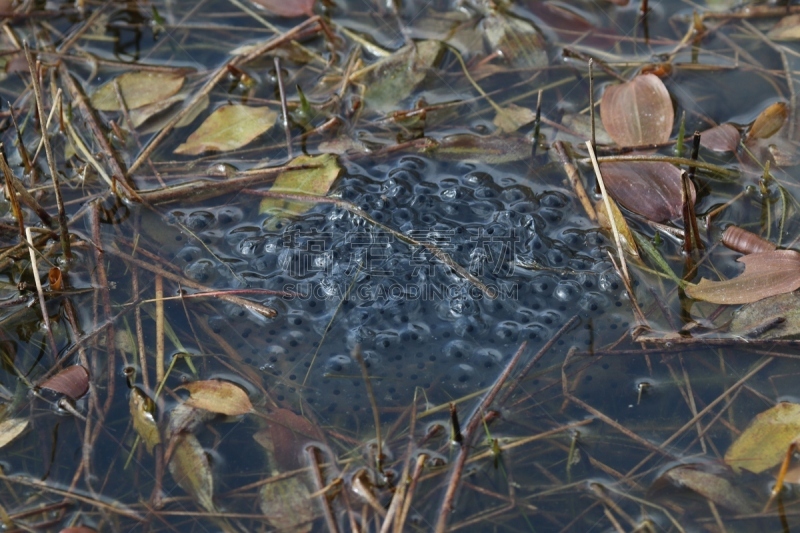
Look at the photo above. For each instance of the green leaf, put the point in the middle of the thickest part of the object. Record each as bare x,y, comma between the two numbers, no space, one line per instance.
513,117
138,89
314,181
191,469
765,441
228,128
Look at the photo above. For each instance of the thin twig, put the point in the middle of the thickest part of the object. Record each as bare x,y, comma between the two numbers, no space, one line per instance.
40,292
284,109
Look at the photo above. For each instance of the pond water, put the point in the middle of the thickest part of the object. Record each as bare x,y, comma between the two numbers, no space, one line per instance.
239,348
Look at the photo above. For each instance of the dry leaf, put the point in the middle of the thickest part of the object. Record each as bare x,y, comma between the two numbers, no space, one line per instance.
765,274
11,429
745,242
787,29
287,8
218,396
228,128
765,441
191,469
513,117
287,505
138,89
143,409
73,381
652,189
55,279
638,112
722,138
625,236
315,181
769,121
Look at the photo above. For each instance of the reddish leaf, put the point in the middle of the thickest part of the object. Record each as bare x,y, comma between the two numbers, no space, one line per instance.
287,8
285,437
745,242
652,189
765,274
722,138
55,279
638,112
73,381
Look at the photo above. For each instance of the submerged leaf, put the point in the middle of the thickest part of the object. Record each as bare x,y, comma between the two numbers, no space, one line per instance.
625,236
228,128
765,441
285,436
638,112
709,482
513,117
218,396
776,317
73,381
314,181
769,121
765,274
290,8
394,78
287,505
492,150
11,429
138,89
191,469
143,411
722,138
652,189
517,40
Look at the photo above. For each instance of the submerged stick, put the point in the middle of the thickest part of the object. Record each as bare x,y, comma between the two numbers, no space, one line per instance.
376,415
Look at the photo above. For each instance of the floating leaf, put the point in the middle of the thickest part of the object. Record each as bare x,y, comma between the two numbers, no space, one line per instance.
191,469
745,242
722,138
638,112
787,29
769,121
138,89
776,317
314,181
73,381
228,128
218,396
11,429
625,236
394,78
765,274
287,8
143,411
708,481
287,505
492,150
516,40
652,189
765,441
513,117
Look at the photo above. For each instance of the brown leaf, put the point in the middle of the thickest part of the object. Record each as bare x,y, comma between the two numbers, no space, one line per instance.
73,381
191,469
708,481
765,274
722,138
492,150
769,121
78,529
776,317
285,437
287,505
287,8
138,89
745,242
55,279
638,112
513,117
11,429
652,189
787,29
143,409
765,441
626,238
228,128
517,41
218,396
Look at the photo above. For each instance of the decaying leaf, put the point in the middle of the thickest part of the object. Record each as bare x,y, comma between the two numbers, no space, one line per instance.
287,8
287,505
722,138
191,469
315,181
493,150
143,410
138,88
11,429
708,481
78,529
652,189
513,117
638,112
285,437
228,128
745,242
55,279
765,441
394,78
787,29
776,317
769,121
218,396
581,125
625,236
765,274
516,40
73,382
